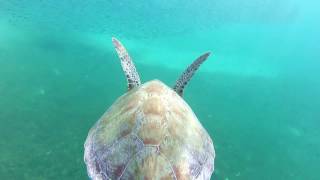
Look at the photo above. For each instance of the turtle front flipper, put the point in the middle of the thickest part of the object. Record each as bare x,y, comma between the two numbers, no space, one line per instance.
188,73
128,67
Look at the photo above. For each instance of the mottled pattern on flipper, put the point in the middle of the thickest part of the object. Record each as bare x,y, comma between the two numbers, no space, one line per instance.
188,73
128,67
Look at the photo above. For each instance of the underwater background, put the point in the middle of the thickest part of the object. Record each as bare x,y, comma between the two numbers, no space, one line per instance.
258,95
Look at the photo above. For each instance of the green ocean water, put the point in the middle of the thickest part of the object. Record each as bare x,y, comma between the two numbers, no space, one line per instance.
258,95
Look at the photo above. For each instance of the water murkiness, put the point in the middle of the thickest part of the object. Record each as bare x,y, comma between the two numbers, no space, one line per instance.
258,95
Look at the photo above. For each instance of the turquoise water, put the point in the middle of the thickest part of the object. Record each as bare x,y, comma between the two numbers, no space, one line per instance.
258,95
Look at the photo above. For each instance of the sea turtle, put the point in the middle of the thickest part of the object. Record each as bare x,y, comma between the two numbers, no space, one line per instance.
150,132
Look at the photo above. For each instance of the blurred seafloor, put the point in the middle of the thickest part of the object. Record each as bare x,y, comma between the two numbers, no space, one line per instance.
258,94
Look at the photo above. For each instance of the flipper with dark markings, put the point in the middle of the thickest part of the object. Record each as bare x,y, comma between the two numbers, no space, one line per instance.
188,73
128,67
